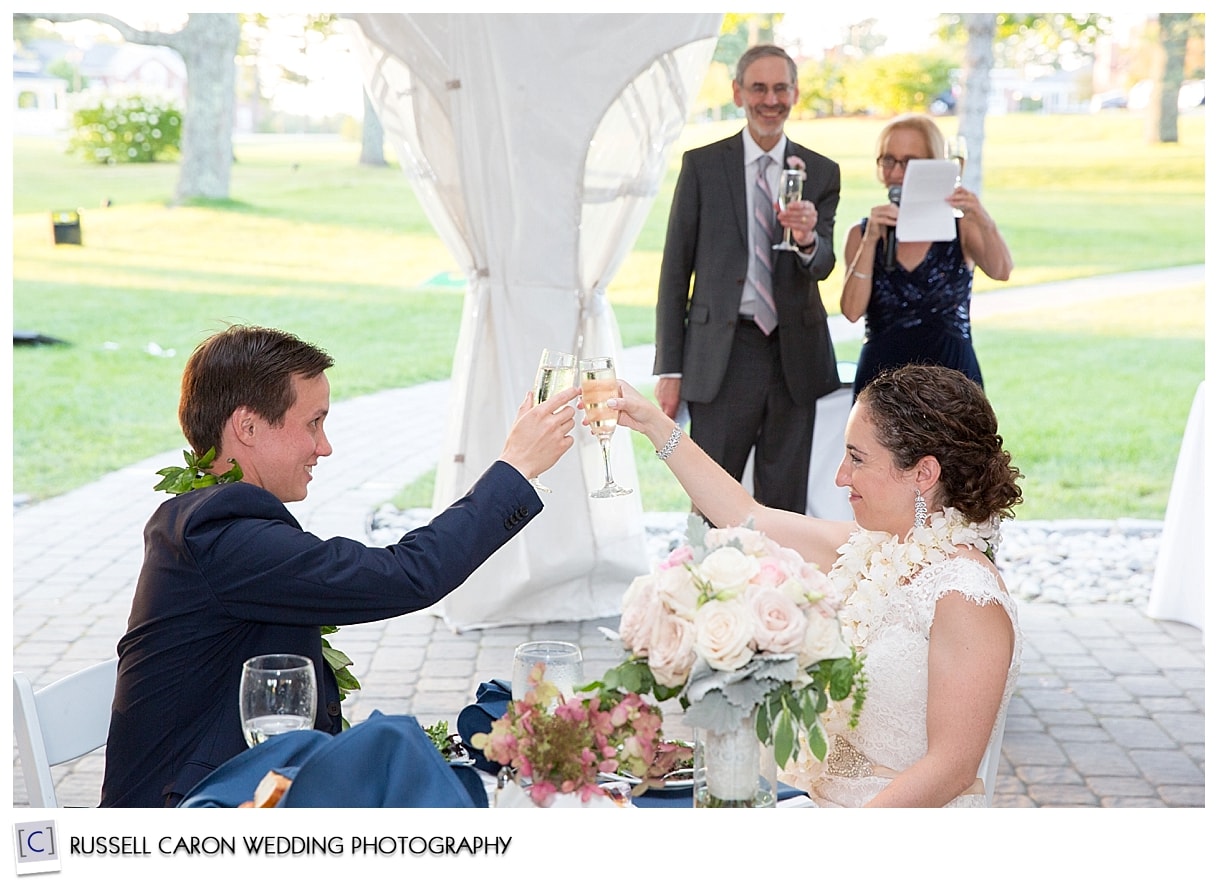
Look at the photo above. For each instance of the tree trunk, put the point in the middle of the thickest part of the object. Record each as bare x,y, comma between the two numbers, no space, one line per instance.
372,151
975,97
208,45
1163,111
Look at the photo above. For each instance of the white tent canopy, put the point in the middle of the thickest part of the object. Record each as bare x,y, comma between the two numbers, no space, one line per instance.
536,144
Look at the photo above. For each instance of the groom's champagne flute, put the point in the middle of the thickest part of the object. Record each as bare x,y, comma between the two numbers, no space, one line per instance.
790,190
555,372
598,383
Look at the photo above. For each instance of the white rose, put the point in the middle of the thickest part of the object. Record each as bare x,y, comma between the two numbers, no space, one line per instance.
781,624
751,542
676,589
723,632
640,607
728,570
822,639
672,650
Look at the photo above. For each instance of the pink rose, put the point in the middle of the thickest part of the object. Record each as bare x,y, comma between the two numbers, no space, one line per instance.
672,650
723,633
678,557
640,607
781,624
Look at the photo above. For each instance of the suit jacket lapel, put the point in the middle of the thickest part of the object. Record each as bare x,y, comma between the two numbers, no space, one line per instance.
733,170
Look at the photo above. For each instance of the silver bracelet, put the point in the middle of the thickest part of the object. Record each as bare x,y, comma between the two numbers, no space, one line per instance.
670,445
859,275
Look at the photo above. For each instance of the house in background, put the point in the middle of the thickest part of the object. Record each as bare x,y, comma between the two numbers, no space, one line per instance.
39,99
43,102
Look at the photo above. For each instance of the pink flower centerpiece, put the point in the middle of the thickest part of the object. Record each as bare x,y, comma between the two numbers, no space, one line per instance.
562,748
731,623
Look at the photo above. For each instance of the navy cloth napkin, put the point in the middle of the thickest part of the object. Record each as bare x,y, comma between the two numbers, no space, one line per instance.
490,703
387,761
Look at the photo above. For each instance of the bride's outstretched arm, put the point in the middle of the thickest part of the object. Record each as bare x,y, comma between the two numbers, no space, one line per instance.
718,495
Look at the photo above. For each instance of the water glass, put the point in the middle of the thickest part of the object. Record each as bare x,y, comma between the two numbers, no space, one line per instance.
563,666
278,694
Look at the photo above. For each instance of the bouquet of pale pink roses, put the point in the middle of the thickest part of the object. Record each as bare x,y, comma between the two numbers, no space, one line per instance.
563,747
730,622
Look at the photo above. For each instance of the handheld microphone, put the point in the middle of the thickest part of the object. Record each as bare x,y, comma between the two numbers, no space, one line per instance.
890,242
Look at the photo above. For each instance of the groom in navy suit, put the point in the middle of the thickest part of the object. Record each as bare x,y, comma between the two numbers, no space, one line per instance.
229,574
747,345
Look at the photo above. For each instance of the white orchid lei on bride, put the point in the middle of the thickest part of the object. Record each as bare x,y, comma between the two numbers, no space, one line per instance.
730,622
871,565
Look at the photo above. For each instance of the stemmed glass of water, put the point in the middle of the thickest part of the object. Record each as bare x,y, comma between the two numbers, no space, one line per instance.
278,694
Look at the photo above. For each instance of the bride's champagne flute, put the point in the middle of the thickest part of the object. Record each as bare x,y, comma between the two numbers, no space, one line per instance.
555,372
790,190
598,383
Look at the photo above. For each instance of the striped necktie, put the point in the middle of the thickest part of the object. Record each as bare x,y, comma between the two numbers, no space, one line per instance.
765,314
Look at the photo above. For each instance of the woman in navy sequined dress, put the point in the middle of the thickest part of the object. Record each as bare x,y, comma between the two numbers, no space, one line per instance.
918,312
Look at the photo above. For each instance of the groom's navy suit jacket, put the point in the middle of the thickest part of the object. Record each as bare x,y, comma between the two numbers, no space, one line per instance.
229,574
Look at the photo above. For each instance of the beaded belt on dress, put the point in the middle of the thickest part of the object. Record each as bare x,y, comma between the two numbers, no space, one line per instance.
845,761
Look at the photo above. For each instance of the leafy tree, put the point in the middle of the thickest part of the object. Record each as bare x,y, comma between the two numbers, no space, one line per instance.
891,84
1163,111
207,42
1013,39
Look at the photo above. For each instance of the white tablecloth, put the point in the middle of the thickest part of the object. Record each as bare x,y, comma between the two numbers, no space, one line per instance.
1178,591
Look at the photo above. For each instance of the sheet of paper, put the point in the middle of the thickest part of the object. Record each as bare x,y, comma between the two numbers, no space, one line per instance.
925,215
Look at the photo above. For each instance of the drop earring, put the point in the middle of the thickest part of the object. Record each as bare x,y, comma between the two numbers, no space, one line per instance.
919,509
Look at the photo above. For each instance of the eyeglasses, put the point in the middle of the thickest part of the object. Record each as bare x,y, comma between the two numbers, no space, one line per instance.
780,90
888,163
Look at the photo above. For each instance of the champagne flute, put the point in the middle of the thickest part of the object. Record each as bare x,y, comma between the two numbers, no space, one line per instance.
555,372
598,383
790,190
957,152
278,694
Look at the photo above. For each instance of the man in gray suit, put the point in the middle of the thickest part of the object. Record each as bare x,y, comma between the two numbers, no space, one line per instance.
747,348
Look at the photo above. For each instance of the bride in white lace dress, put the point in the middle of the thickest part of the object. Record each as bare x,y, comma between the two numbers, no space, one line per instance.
922,600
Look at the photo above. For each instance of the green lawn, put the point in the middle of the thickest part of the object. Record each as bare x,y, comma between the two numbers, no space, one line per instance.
344,255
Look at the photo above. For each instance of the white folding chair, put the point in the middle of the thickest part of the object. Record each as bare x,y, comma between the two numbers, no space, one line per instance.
59,723
988,771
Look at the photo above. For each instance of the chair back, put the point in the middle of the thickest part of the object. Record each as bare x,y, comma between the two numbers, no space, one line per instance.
988,770
59,723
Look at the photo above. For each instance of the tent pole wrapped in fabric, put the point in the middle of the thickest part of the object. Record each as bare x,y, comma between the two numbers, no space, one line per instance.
536,145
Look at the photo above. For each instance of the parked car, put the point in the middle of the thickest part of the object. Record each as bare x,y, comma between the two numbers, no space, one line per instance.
943,104
1114,100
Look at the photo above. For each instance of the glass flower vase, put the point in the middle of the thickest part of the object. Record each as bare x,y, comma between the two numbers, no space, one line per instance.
733,769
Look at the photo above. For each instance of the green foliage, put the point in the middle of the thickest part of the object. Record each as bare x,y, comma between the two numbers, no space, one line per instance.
786,711
889,84
340,663
633,675
177,480
133,128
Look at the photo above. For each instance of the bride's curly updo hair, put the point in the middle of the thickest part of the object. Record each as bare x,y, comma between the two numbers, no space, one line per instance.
926,410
